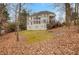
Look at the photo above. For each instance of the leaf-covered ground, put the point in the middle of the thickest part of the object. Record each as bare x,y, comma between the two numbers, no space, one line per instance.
64,41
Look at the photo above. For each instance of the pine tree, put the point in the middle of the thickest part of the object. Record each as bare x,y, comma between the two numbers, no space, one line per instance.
23,19
4,16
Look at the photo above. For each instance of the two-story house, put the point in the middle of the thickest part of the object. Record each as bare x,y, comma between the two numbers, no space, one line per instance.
39,21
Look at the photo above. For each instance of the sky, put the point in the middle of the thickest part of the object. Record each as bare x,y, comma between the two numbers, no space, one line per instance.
36,7
40,7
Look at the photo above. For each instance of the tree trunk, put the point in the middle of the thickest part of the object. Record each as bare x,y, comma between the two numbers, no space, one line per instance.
76,12
19,10
68,14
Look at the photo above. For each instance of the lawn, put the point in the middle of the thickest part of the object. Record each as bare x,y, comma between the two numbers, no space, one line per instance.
36,36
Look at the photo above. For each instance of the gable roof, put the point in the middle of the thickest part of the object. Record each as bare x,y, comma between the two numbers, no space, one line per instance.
43,12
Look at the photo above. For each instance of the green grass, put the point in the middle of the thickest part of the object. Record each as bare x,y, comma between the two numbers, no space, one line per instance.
36,36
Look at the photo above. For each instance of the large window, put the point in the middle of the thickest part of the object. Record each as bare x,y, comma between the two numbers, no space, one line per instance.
37,20
31,23
44,21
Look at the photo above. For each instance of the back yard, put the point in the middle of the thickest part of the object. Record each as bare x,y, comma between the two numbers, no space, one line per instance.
36,36
56,41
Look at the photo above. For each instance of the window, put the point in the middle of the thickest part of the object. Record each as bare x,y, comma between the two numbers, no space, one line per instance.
44,20
31,23
50,17
34,21
37,20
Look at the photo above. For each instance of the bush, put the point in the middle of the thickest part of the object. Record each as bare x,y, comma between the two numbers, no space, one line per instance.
11,27
54,25
22,26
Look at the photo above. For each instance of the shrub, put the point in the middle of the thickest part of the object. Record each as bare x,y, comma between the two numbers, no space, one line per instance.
54,25
11,27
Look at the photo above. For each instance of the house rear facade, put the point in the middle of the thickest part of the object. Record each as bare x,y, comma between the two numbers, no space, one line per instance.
39,21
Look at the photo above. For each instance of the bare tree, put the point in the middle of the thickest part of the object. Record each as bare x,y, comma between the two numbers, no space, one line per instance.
76,14
17,24
16,8
68,13
17,17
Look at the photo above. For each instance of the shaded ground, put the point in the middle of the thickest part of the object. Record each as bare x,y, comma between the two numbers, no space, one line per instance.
65,41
